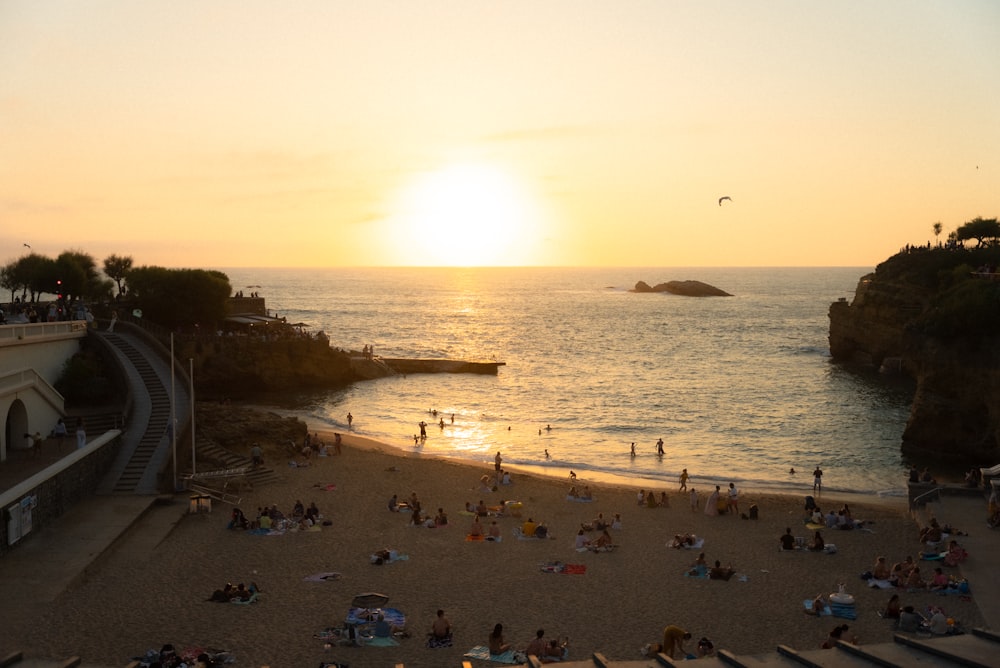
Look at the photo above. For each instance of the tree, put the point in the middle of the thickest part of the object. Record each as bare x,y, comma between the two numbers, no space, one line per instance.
980,229
116,267
10,280
180,297
937,231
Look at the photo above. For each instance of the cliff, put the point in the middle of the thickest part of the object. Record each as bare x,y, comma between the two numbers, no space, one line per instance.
241,366
931,314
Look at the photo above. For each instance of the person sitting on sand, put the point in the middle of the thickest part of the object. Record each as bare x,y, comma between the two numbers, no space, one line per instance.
931,533
494,531
700,565
838,633
538,645
441,519
541,531
650,499
664,500
417,518
604,541
481,508
939,581
956,554
914,580
496,642
582,540
705,648
616,521
585,493
556,650
718,572
817,544
528,528
787,539
911,621
817,606
384,629
573,493
469,508
831,519
440,635
238,520
880,571
393,504
892,608
476,529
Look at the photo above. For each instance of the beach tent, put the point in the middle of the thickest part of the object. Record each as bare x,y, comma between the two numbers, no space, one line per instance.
369,600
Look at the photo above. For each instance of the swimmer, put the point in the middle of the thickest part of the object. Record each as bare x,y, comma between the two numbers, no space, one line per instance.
791,471
548,427
633,448
547,455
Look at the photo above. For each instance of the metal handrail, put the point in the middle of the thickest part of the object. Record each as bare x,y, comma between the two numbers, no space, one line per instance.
936,490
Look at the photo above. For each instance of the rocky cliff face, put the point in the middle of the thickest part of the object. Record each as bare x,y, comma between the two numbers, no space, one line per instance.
909,320
236,367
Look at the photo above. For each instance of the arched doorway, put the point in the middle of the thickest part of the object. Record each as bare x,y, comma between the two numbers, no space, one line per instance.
15,427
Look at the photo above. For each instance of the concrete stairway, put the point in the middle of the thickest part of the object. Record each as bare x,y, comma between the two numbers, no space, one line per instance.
978,649
151,416
17,660
227,459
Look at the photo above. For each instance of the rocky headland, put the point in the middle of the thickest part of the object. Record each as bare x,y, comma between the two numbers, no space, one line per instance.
933,315
683,288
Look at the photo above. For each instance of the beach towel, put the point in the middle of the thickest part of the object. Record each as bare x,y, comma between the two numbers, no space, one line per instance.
847,611
697,545
521,536
594,548
825,612
240,601
697,572
880,584
393,557
812,526
581,499
560,567
328,576
474,539
376,641
510,657
933,556
394,616
437,643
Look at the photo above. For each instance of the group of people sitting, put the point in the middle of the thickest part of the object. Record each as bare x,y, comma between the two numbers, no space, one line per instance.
683,540
912,621
547,650
583,494
906,573
234,593
603,543
302,517
700,568
650,500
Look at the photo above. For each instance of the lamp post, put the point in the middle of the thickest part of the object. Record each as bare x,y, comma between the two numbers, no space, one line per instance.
173,411
193,460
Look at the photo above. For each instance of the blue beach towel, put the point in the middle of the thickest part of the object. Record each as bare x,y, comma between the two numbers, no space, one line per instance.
482,652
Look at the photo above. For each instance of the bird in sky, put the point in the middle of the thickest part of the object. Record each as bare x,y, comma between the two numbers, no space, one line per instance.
723,198
27,245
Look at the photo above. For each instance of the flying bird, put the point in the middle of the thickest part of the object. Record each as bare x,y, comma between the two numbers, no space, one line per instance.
27,245
723,198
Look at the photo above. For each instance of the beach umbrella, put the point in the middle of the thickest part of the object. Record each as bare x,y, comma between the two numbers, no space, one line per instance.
370,600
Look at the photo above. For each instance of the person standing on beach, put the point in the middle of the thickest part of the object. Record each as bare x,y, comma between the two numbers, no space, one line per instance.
712,505
633,449
694,500
673,638
423,430
734,499
350,420
659,447
497,461
818,480
684,480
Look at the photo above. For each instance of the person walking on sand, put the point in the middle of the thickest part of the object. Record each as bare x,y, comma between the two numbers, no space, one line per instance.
684,480
818,479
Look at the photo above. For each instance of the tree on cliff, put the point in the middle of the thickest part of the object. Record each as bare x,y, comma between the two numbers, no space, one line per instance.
116,267
980,229
180,297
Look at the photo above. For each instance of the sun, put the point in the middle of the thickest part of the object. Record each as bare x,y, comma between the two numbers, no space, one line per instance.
467,215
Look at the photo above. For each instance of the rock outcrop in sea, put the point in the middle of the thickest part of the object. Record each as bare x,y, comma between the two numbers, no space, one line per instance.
683,288
934,315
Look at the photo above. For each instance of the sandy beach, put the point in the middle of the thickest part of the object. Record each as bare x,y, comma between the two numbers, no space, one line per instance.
622,601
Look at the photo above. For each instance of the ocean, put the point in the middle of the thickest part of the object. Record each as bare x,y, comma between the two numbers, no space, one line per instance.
741,389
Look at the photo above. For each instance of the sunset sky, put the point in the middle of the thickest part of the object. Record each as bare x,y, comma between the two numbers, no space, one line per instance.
331,134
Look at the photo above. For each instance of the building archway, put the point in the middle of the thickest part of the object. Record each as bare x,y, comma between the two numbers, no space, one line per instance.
15,427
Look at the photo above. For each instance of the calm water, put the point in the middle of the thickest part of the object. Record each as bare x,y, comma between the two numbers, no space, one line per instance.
740,389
